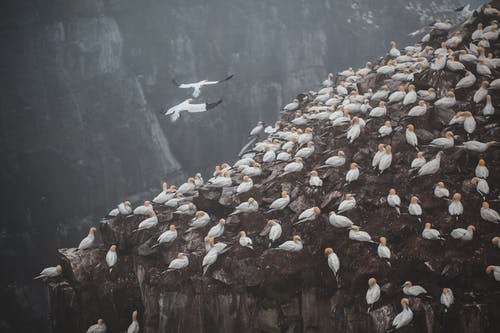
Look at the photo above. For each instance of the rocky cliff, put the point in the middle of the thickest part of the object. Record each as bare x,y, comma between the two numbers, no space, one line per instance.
268,290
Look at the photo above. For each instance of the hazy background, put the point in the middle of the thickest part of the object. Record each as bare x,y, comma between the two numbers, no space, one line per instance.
82,83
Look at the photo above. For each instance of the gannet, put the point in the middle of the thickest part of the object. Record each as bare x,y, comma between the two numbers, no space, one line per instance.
378,155
385,159
441,191
168,236
379,111
186,209
222,181
200,220
305,137
271,130
269,156
447,298
88,241
489,109
100,327
431,234
439,62
245,186
347,72
291,167
314,180
489,214
180,262
446,102
309,214
274,231
404,317
279,203
250,206
49,272
355,130
373,292
361,236
481,93
432,166
418,110
419,161
453,65
414,208
211,257
481,170
332,260
339,221
290,144
489,10
328,80
345,119
258,129
385,129
463,234
335,161
477,146
148,223
294,245
411,290
411,137
383,93
134,325
482,69
175,201
382,250
253,170
111,256
299,120
467,57
175,111
455,208
495,270
411,95
244,240
443,25
217,230
397,96
454,40
495,84
123,208
394,52
387,69
427,95
306,151
478,33
164,195
482,186
496,241
187,187
352,174
490,35
444,143
285,155
198,85
458,118
347,204
469,122
393,200
144,209
467,81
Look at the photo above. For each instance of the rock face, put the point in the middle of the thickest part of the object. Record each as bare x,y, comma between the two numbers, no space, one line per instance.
268,290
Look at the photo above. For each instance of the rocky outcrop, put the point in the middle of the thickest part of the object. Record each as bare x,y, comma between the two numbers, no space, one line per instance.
268,290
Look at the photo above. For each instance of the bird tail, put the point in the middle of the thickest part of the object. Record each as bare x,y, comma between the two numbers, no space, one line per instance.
135,230
250,246
270,211
155,246
38,277
175,116
189,230
398,210
227,78
234,213
214,104
205,269
174,81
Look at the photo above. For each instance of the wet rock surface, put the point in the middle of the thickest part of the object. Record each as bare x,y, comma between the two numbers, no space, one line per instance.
267,290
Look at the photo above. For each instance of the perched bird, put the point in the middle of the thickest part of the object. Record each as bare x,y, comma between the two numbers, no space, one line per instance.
200,220
431,234
411,290
489,109
49,272
211,257
352,174
198,85
469,123
187,187
467,81
489,214
335,161
175,111
122,209
111,256
385,159
481,93
198,180
88,241
361,236
294,245
463,234
393,200
306,151
404,317
186,209
418,110
394,52
294,105
309,214
314,179
414,208
419,161
446,102
148,223
379,111
221,181
245,186
382,250
373,292
144,209
441,191
250,206
495,271
432,166
244,240
354,131
378,155
411,137
180,262
274,231
332,260
348,203
481,170
477,146
456,208
134,325
217,230
411,95
280,203
444,143
165,195
295,166
447,298
496,241
396,96
385,129
339,221
100,327
482,186
168,236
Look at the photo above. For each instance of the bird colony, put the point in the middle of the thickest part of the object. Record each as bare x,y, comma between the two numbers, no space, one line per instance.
386,169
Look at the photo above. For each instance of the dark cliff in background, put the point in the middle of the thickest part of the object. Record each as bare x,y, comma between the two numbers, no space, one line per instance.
82,82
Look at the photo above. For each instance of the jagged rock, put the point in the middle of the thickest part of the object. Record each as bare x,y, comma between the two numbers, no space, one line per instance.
382,318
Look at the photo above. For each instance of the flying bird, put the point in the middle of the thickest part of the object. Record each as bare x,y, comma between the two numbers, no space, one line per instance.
175,111
197,85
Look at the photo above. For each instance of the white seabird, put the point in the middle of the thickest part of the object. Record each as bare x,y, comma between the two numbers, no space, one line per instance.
294,245
175,111
198,85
